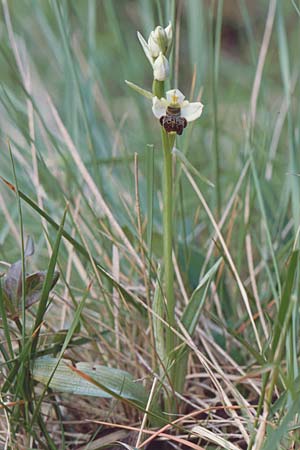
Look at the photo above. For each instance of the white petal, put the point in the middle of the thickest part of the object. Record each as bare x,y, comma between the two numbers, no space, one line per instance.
175,93
161,68
192,111
145,48
159,106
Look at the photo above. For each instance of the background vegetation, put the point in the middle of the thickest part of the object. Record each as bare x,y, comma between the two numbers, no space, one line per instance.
80,137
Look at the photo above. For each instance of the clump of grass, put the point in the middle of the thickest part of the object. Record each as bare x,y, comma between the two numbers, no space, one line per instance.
84,179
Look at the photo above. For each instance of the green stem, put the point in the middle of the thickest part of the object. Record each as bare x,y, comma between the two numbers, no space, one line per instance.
167,141
170,342
158,88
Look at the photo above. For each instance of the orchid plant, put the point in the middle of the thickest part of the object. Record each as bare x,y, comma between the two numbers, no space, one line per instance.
174,113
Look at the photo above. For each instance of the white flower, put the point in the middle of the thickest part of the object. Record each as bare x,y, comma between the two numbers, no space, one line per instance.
175,105
161,68
159,41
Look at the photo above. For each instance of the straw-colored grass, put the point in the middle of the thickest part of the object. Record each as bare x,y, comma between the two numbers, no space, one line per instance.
81,174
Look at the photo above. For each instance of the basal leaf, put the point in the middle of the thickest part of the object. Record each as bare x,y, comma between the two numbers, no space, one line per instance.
67,380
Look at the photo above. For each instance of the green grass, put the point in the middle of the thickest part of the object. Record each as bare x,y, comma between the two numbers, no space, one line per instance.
81,174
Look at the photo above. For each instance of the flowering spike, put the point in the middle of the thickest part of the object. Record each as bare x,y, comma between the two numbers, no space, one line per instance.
157,49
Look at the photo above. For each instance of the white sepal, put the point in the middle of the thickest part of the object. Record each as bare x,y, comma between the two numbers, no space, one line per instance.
145,47
159,107
175,96
192,111
169,34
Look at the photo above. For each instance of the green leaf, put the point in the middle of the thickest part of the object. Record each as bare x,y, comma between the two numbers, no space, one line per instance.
139,90
275,435
47,285
158,325
285,304
69,381
192,311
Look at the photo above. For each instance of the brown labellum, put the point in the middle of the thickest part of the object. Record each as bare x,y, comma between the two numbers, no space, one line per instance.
173,124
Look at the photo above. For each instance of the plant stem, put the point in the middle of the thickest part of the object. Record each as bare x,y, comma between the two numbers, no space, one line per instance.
170,342
167,141
158,88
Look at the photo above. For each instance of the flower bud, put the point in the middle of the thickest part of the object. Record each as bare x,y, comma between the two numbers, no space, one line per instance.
160,40
160,37
154,47
161,68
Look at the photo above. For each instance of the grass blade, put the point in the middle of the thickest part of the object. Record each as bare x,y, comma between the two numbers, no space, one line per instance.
191,314
127,295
